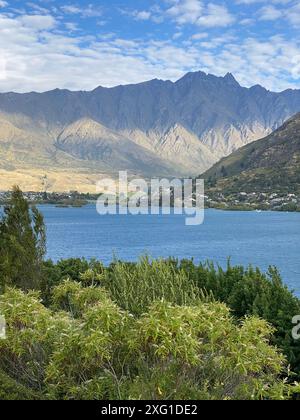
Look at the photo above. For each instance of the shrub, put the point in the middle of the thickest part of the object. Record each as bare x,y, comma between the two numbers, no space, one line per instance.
135,286
200,351
10,390
72,297
169,352
250,292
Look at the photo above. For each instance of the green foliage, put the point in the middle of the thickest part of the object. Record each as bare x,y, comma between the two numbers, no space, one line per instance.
10,390
32,335
249,292
199,352
170,352
22,244
246,291
70,296
88,272
73,268
135,286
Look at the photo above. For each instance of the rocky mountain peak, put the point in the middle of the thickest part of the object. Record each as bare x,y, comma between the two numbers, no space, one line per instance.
231,80
186,125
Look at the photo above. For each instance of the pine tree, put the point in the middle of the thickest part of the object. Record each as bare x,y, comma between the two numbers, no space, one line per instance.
22,244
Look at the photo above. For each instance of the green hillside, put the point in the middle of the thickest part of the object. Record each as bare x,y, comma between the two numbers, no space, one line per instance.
270,164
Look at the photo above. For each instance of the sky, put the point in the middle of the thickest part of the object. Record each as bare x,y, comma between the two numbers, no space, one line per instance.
80,45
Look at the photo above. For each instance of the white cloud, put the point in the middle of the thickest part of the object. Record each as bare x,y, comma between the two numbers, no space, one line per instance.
37,8
87,11
38,22
293,14
199,36
154,14
142,15
247,22
290,12
3,3
186,11
270,13
39,54
196,12
216,16
71,9
72,26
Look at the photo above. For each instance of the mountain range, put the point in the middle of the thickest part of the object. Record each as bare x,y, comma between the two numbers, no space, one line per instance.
63,140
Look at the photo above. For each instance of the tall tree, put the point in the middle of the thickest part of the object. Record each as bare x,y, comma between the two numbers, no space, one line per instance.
22,244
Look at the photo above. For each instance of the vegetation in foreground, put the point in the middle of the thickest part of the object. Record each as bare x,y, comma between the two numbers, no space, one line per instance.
151,330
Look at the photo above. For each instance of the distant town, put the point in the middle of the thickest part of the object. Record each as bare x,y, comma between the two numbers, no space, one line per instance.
289,202
254,201
70,199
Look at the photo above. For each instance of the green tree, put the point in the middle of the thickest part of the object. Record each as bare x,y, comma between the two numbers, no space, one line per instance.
22,244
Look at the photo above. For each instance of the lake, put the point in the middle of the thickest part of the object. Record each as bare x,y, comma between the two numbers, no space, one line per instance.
260,239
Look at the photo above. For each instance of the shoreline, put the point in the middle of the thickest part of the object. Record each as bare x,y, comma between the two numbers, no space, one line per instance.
227,209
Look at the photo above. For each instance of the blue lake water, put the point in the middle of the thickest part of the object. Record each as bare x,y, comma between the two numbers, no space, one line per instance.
260,239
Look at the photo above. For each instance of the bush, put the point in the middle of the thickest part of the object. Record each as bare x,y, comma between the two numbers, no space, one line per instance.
10,390
250,292
135,286
169,352
247,291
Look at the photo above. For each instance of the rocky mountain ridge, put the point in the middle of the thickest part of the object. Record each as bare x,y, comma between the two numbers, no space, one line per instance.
156,128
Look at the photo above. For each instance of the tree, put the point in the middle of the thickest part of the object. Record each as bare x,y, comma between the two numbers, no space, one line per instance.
22,243
224,172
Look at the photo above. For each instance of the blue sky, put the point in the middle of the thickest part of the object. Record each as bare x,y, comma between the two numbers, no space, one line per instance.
83,44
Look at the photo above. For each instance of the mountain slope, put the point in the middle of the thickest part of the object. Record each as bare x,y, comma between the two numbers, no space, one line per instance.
270,163
89,141
156,128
